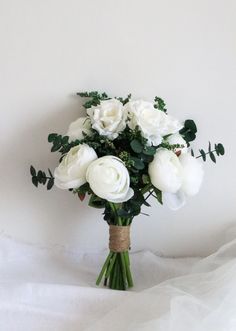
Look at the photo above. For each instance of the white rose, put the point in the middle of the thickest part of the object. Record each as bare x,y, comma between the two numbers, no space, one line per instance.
153,123
109,179
108,118
192,176
165,171
71,172
77,128
177,139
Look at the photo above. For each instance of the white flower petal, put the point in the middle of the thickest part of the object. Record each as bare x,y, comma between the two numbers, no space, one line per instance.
77,128
71,172
108,118
109,179
174,201
192,174
165,171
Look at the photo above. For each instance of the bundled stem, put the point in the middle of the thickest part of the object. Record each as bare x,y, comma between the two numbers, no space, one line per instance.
116,269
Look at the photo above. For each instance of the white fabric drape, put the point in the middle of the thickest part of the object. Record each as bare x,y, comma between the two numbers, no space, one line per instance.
50,288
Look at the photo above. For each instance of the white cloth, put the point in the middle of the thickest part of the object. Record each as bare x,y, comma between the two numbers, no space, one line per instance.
51,289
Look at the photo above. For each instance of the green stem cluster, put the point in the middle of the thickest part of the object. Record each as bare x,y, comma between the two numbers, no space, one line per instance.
116,269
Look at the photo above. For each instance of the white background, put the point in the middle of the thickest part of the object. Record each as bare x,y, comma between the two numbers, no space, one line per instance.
183,51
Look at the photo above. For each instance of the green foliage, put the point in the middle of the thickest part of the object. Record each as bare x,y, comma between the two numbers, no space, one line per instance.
219,150
124,100
160,104
40,177
133,149
94,98
189,131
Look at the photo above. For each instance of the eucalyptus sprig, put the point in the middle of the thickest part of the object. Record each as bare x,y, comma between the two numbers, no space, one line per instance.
40,177
218,151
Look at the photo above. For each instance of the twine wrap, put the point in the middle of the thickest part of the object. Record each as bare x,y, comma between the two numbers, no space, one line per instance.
119,240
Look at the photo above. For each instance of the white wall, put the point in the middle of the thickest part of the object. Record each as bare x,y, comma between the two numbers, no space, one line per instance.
183,51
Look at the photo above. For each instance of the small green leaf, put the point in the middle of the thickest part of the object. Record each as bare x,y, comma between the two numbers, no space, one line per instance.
32,171
203,154
65,140
52,137
190,124
158,195
96,202
192,152
145,179
221,149
50,173
209,147
138,164
50,183
55,147
149,150
136,146
212,156
35,181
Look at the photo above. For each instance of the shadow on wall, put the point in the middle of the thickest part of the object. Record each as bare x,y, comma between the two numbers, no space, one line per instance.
37,214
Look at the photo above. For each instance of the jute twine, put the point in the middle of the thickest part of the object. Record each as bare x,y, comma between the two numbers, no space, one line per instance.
119,240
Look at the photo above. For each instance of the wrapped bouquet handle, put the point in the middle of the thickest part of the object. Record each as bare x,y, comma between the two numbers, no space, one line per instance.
119,238
116,269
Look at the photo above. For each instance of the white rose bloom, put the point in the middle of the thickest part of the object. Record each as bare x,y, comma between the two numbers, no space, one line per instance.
175,139
153,123
165,171
192,176
76,128
71,172
108,118
109,179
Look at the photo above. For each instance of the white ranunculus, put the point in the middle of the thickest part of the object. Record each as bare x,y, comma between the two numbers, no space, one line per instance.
76,128
108,118
175,139
192,176
109,179
71,172
165,171
153,123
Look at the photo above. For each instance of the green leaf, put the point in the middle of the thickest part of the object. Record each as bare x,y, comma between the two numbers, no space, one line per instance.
35,181
52,137
160,104
203,154
96,202
192,152
221,149
56,147
145,179
212,156
32,171
190,124
50,183
136,146
65,140
158,195
50,173
138,164
209,147
149,150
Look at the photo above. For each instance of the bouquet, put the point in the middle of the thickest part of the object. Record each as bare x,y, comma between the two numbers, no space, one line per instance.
122,152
